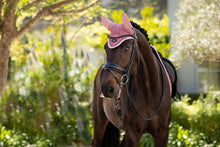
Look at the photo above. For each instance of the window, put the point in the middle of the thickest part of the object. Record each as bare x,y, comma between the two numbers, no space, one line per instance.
209,76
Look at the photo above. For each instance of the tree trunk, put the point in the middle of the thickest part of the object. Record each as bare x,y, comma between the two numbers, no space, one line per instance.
9,32
4,57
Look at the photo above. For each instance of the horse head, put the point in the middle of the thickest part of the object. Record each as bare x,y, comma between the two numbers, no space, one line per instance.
120,52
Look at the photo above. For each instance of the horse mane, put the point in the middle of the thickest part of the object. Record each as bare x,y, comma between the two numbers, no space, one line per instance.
142,30
174,83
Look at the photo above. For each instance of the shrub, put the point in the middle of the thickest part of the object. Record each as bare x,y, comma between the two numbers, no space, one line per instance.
49,98
48,101
186,137
146,141
193,123
202,116
17,139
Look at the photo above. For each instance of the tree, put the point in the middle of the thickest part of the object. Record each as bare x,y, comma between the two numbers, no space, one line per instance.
196,33
12,18
133,7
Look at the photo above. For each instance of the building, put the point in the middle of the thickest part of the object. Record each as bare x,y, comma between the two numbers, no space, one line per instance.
193,77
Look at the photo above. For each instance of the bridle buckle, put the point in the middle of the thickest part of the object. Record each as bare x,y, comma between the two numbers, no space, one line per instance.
124,79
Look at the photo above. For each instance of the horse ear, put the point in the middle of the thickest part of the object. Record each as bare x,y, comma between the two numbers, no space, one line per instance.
108,23
126,22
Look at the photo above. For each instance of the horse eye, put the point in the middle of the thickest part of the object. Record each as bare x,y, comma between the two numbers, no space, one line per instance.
127,48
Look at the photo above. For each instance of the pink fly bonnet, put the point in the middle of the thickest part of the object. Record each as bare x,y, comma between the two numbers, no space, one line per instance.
118,31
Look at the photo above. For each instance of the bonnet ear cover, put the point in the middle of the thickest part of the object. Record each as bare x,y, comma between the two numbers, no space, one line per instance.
118,30
127,24
108,23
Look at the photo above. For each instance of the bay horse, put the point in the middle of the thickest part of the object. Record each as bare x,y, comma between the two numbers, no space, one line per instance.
132,90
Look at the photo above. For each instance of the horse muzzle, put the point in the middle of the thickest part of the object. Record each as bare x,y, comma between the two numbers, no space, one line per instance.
110,91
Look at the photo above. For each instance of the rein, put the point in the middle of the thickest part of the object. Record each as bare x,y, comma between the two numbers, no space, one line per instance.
124,82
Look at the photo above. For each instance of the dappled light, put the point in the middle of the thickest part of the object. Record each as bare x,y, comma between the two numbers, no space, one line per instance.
50,52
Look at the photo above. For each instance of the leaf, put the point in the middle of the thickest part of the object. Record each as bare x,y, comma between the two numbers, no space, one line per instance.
147,12
19,13
116,15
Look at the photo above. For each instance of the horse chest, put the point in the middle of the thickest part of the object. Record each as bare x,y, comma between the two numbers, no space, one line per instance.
110,113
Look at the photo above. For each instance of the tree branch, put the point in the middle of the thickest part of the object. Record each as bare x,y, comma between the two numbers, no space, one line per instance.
11,4
45,11
48,10
29,5
8,3
31,22
58,5
75,11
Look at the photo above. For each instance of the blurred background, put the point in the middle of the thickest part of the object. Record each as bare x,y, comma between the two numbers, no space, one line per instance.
47,100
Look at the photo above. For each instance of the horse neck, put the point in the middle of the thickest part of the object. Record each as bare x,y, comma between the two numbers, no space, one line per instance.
148,75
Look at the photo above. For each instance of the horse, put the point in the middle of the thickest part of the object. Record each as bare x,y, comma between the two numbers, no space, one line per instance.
132,90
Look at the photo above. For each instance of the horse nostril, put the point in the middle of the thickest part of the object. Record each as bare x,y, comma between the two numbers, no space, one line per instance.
107,89
111,90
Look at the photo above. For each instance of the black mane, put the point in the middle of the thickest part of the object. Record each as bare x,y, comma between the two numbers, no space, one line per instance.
174,82
143,31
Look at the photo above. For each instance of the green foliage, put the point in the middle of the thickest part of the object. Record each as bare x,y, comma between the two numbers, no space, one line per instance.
116,16
186,137
48,100
193,124
146,141
201,118
50,96
158,30
17,139
59,10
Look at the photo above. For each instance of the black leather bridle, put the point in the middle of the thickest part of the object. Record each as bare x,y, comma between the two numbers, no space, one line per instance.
114,67
124,81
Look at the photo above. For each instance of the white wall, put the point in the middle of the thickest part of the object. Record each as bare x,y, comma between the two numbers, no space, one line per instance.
172,9
188,74
187,81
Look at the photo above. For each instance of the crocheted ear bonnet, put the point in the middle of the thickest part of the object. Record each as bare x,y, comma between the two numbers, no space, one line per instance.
118,31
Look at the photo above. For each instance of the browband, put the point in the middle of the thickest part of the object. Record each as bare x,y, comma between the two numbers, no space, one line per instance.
114,42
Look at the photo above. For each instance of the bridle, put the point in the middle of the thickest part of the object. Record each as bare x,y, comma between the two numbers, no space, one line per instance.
124,81
114,67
